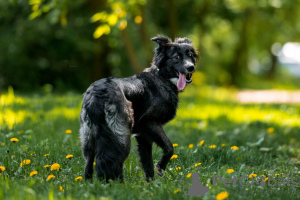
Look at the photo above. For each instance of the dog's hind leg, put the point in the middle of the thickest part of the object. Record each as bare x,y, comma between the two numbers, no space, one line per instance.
145,153
110,157
88,149
156,133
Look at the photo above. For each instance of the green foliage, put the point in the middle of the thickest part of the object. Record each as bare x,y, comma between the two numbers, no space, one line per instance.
69,44
267,137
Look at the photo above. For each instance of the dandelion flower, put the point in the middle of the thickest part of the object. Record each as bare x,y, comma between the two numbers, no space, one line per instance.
174,156
2,144
197,164
223,145
234,148
55,166
79,178
191,146
68,131
266,179
61,188
14,140
252,175
46,166
69,156
33,173
222,195
178,168
46,155
189,175
2,169
32,153
176,191
229,171
175,145
51,176
212,146
25,162
270,130
277,174
94,163
201,143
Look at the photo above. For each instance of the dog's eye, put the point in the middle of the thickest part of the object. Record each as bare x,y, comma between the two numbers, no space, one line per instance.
177,57
190,55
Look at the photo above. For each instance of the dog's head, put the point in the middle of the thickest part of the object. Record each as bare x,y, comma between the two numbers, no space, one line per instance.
176,60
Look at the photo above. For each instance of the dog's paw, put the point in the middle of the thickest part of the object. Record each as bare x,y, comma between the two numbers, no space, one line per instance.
159,171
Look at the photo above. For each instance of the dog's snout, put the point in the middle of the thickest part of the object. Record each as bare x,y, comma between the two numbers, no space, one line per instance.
190,68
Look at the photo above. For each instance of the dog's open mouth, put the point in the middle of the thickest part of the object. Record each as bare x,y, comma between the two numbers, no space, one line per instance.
183,79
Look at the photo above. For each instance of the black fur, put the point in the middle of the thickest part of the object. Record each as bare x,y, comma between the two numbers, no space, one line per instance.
114,108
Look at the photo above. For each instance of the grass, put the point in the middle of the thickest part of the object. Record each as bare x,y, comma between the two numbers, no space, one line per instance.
267,137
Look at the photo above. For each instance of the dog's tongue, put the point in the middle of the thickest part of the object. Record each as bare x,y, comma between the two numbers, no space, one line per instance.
181,82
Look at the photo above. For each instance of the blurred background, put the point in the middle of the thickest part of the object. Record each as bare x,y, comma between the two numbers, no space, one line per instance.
58,46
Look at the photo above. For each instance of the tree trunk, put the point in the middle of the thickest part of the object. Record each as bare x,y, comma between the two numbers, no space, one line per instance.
129,47
172,18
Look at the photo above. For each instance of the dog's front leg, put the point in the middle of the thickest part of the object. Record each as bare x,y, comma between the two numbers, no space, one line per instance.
156,133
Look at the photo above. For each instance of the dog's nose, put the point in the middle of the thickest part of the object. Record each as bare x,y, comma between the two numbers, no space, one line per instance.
190,68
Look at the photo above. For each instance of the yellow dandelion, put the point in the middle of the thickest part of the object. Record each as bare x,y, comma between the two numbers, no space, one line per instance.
25,162
94,163
234,148
2,169
61,188
191,146
229,171
189,175
46,166
176,191
46,155
252,175
277,174
32,153
178,168
68,131
33,173
51,176
2,144
266,179
175,145
222,195
197,164
69,156
138,19
201,143
223,145
79,178
270,130
174,156
55,166
212,146
14,140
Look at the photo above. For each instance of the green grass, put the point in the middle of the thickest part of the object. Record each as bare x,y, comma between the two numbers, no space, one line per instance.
267,137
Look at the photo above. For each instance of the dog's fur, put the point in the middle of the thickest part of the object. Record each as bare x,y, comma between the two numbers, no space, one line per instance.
114,108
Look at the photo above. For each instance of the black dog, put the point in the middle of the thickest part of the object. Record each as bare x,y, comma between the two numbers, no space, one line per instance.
114,108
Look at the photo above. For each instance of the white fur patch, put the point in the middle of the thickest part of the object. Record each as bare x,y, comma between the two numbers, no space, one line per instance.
116,123
174,80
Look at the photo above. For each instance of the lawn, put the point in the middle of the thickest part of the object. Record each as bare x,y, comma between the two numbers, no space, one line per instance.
213,135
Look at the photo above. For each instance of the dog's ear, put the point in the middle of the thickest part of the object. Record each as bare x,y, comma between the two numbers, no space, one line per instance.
161,40
183,40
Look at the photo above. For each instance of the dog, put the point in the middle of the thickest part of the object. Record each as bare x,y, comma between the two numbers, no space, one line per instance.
114,108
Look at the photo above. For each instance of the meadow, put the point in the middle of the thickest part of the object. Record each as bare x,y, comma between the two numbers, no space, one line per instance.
213,135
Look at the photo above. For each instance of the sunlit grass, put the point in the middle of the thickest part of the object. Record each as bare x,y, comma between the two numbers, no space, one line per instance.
212,134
